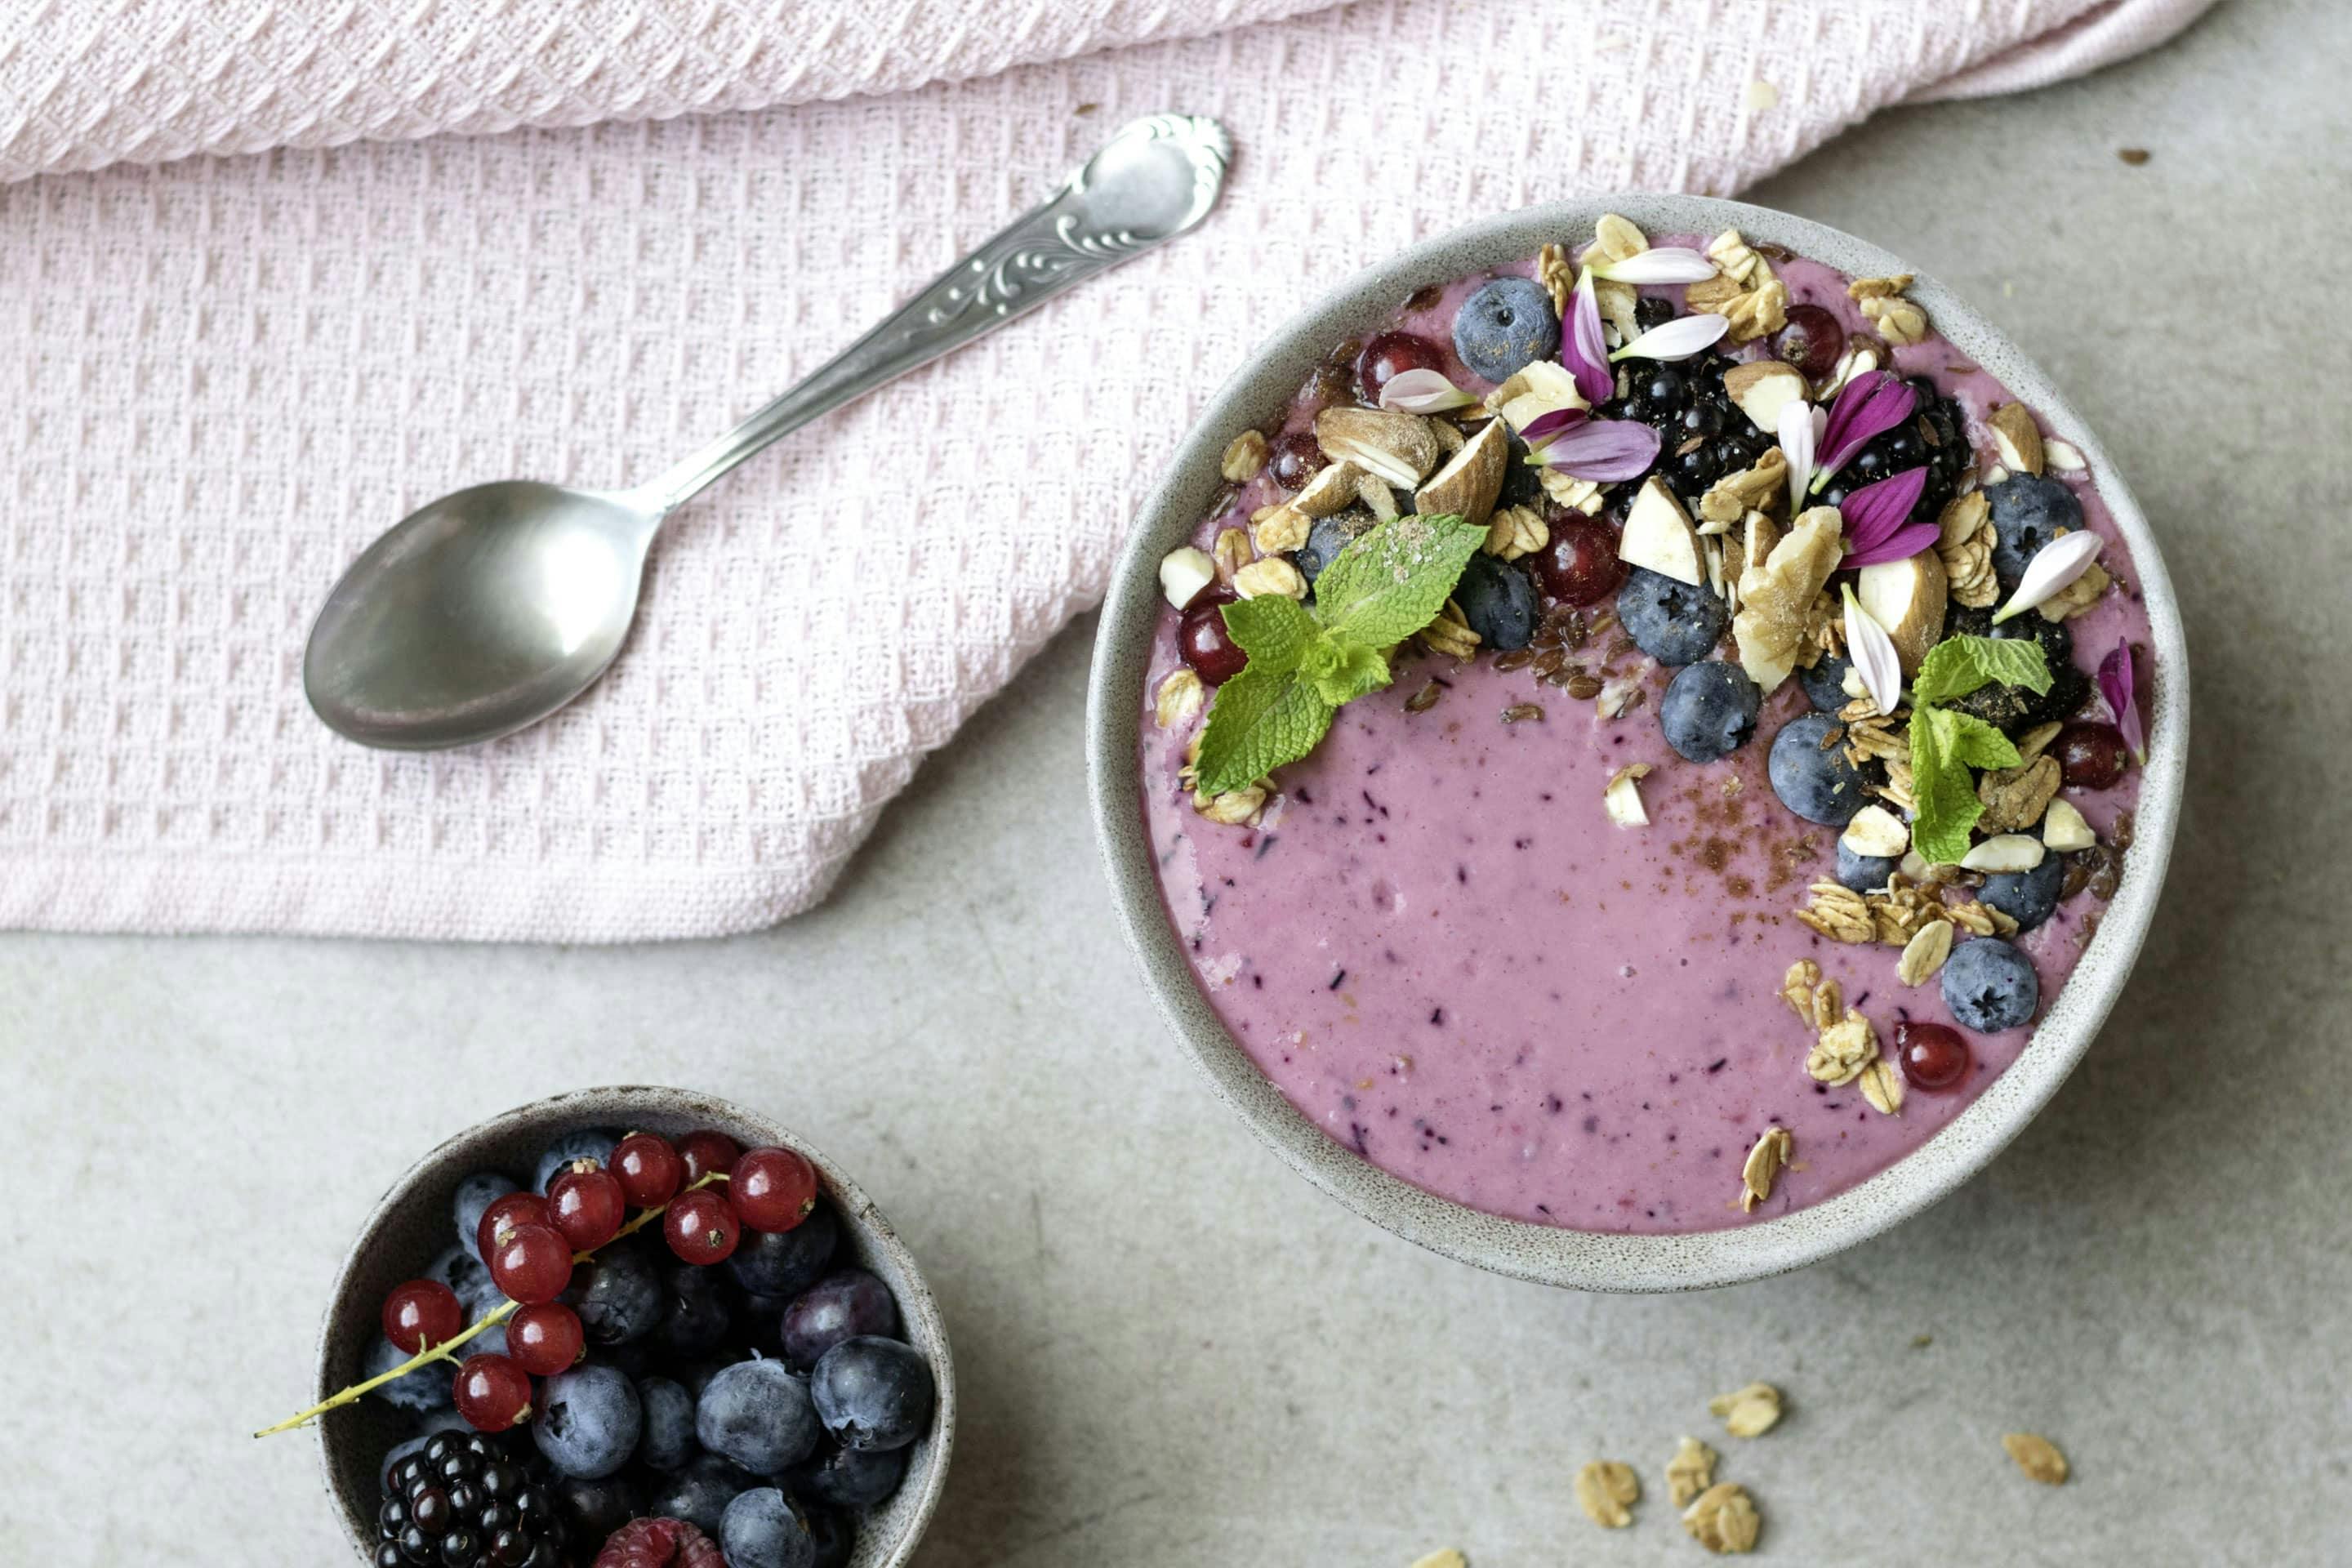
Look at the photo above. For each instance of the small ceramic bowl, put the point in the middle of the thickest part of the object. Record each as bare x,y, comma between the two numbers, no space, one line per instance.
410,1226
1587,1259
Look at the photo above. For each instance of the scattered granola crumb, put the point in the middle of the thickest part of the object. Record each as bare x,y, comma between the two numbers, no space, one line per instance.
1604,1491
1690,1472
1748,1412
1423,700
1921,1341
1762,95
1723,1519
1446,1558
1519,713
2135,156
1179,699
1244,456
2038,1456
1763,1164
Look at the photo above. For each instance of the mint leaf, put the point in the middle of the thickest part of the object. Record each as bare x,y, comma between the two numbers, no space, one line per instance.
1273,629
1395,579
1342,672
1958,665
1261,720
1944,746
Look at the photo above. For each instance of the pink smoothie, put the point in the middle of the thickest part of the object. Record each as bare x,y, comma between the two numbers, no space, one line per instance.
1441,950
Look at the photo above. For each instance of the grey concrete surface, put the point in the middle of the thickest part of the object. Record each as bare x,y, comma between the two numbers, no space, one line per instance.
1173,1351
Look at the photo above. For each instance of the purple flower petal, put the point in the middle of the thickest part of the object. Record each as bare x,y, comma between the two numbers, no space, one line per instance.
1601,450
2116,683
1866,406
1900,545
1873,512
1581,348
1545,426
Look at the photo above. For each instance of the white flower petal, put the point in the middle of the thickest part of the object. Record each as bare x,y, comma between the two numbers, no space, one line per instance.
2053,566
1799,428
1678,339
1422,392
1670,264
1874,656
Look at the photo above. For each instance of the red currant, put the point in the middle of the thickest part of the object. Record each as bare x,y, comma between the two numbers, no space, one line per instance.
530,1263
1296,458
545,1338
1390,355
585,1204
505,1214
700,1226
493,1393
771,1189
1813,340
706,1151
1202,640
420,1313
648,1169
1579,567
1934,1055
2091,756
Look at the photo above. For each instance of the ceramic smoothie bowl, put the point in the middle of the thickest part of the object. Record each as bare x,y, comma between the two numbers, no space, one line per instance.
1766,819
413,1225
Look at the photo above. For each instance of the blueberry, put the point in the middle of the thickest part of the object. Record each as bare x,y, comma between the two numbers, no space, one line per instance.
427,1388
1864,873
786,1262
695,1318
1330,536
2027,513
1824,684
855,1479
840,1306
873,1392
835,1535
666,1440
699,1493
2027,897
1673,623
1990,985
1499,602
597,1505
1504,325
589,1421
1709,710
586,1143
475,1194
762,1529
1811,772
758,1415
619,1296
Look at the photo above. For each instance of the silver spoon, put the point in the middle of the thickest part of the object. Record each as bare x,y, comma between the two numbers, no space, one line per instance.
493,607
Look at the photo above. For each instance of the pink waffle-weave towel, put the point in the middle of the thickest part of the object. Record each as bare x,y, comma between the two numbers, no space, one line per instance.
271,274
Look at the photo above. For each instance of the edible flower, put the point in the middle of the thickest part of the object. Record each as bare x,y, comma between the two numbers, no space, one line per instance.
1867,407
1422,392
1875,517
2115,679
1799,423
1872,653
1583,351
1678,339
1601,450
1667,264
2053,566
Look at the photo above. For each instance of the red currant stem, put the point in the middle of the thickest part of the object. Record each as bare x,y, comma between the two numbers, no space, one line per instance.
492,1319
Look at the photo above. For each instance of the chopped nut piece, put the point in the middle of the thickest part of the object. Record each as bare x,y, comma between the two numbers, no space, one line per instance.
1468,485
1860,360
1876,831
1180,697
2064,456
1907,598
1752,312
2076,596
2016,437
1898,320
1603,1489
2038,1456
1570,492
1840,915
2064,829
1658,535
1752,489
1244,456
1273,576
1234,552
1231,808
1778,599
2036,740
1539,387
1690,1472
2015,798
1450,634
1558,275
1761,388
1449,435
1925,953
1281,528
1723,1519
1762,1165
1332,490
1515,531
1883,1086
2007,851
1398,448
1373,491
1737,260
1621,797
1618,698
1184,573
1844,1049
1748,1412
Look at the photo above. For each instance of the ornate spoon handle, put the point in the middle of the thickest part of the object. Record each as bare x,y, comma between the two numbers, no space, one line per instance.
1153,180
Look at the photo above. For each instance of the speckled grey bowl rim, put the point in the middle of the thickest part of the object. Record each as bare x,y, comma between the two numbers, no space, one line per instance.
1586,1259
373,1265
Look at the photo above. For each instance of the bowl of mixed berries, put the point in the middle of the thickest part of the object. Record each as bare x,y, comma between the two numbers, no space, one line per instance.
632,1327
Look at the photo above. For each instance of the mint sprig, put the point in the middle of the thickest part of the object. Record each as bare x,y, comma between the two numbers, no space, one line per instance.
1946,743
1306,663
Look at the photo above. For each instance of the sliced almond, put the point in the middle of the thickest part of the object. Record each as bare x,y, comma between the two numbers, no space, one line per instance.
1658,535
1876,832
1377,498
2064,830
1762,388
2064,456
1184,573
1622,797
1907,597
1332,490
2016,437
1468,484
1539,387
1398,448
2005,852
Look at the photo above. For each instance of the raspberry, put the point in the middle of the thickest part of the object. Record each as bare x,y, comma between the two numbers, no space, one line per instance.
659,1543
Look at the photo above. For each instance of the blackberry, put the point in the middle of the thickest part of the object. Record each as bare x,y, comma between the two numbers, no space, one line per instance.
1650,312
464,1500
